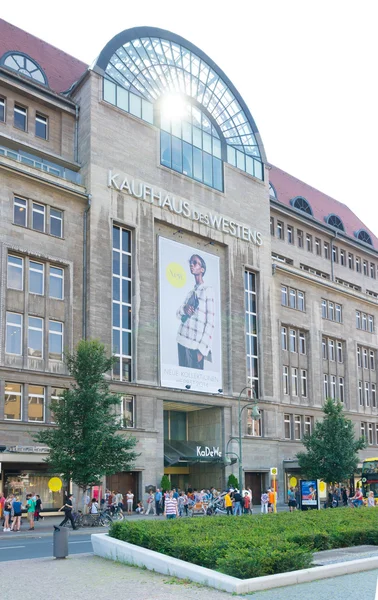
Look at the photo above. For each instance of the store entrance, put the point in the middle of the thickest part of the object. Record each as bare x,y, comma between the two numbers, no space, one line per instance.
123,482
255,482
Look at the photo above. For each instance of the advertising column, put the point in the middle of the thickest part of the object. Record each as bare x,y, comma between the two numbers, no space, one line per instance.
190,324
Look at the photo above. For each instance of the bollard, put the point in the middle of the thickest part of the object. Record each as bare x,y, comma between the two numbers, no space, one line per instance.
60,542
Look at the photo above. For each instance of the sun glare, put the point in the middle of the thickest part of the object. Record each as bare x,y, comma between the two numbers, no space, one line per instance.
173,106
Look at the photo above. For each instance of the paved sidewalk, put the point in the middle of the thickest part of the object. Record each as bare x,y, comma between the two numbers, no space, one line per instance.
85,577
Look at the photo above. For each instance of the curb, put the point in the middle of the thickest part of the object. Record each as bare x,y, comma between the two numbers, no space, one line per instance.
130,554
24,535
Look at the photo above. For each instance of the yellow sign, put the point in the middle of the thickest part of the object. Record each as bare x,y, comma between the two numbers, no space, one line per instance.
55,484
274,471
293,481
175,273
322,486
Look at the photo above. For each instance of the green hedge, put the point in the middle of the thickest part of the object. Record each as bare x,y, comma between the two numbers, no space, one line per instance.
253,546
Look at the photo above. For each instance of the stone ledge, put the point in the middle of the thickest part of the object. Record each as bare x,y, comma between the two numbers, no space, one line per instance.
113,549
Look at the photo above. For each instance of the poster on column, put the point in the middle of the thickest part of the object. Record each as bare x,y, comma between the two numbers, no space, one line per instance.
190,320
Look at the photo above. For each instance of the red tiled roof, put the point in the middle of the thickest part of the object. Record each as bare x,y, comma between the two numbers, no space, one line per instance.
288,187
61,69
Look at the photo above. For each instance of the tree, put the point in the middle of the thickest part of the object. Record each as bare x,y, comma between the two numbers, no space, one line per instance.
165,483
332,450
232,482
85,445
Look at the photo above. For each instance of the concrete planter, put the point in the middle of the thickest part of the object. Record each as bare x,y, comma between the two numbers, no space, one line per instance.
108,547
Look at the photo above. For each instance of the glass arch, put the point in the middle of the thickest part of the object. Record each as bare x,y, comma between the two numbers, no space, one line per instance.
363,235
151,63
335,221
23,64
272,191
301,203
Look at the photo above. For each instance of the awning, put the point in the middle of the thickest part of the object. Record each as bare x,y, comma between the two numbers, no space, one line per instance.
190,452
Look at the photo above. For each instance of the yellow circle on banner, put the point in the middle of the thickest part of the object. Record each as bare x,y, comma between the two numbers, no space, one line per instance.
55,484
293,481
176,275
322,486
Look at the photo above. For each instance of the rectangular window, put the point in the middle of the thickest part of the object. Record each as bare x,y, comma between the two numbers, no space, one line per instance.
251,329
367,393
309,242
56,280
365,267
374,397
36,278
307,425
364,322
55,397
360,394
13,401
372,270
358,264
301,301
293,298
122,305
128,412
334,253
13,344
341,389
254,426
363,430
370,434
342,258
15,276
20,117
339,352
41,126
350,260
318,248
20,212
371,324
372,360
324,309
284,295
359,360
325,386
358,319
331,350
338,312
287,427
333,386
55,340
294,381
2,110
303,383
302,342
300,238
365,357
326,249
38,217
324,349
284,338
280,230
272,226
297,427
35,337
331,311
285,380
293,340
36,403
56,222
290,237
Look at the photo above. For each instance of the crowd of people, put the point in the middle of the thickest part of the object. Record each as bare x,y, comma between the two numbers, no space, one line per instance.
11,508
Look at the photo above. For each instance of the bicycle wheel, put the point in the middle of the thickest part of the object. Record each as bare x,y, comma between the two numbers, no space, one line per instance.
105,521
119,516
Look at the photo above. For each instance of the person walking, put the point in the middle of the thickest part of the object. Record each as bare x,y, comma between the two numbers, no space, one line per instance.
67,508
30,507
228,503
151,503
130,502
158,497
170,507
38,508
264,502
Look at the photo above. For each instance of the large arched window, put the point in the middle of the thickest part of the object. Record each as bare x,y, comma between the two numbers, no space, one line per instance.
151,64
363,235
335,221
301,203
272,191
24,65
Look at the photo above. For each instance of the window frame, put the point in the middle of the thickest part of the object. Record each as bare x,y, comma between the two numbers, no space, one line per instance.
17,201
40,273
57,333
39,329
40,212
20,394
253,423
19,109
287,421
56,218
15,266
35,395
19,326
127,398
44,120
3,103
55,276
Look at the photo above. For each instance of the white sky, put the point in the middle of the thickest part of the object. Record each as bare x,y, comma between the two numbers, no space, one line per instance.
308,71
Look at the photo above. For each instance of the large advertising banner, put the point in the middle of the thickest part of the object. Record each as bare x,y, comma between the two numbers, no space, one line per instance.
190,323
309,493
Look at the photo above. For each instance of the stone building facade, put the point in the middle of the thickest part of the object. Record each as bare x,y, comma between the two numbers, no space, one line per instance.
107,194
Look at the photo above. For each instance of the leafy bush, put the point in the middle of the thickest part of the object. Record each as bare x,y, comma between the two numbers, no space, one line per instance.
251,547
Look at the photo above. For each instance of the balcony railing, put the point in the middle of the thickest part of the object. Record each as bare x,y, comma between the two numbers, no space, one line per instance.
39,163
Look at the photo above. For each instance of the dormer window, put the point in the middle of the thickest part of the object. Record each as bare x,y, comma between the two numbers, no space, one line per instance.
335,221
24,65
301,203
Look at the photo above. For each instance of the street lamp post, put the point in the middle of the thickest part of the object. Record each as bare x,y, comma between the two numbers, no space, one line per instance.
256,415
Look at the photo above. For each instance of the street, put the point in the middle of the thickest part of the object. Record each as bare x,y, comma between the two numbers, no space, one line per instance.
39,547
